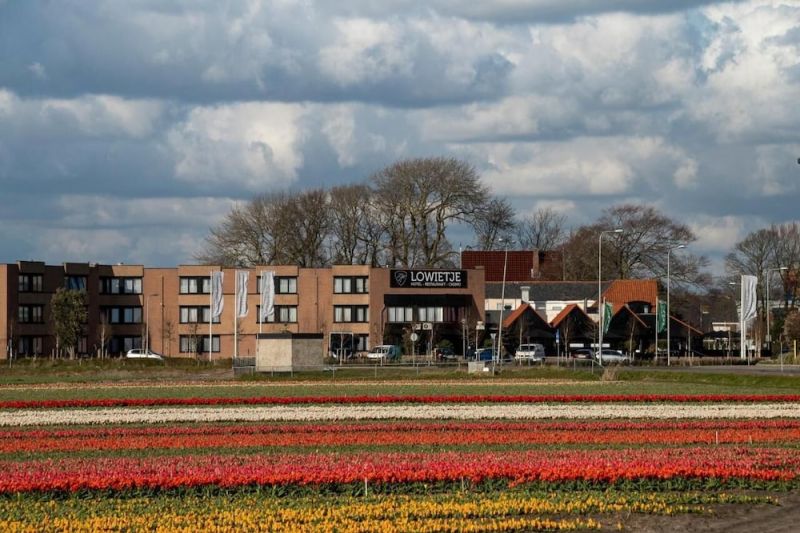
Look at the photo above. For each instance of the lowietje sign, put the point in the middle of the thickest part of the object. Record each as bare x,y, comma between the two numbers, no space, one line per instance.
428,279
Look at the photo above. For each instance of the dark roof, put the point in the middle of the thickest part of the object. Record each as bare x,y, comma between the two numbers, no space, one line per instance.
522,265
568,310
548,290
518,312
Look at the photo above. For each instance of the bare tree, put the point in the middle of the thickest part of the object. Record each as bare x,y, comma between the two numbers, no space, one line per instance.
304,227
641,249
278,228
542,230
787,254
791,325
580,255
249,234
753,255
349,212
103,335
168,335
493,222
420,197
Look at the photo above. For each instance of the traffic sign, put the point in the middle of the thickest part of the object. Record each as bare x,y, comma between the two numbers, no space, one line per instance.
427,326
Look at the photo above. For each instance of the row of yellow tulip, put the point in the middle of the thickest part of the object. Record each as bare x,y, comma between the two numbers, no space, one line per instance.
243,511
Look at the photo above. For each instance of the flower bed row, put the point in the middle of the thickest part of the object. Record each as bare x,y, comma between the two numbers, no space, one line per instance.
248,511
389,399
604,466
401,434
206,414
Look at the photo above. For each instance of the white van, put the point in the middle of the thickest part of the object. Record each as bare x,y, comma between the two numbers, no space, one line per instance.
529,352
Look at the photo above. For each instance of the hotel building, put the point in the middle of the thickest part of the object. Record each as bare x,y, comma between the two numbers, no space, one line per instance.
354,307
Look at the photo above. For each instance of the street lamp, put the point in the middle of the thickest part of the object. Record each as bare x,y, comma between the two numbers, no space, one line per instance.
669,252
502,299
767,279
600,306
147,322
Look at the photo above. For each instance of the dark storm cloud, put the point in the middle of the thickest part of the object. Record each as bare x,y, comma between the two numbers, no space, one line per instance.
518,11
127,128
205,52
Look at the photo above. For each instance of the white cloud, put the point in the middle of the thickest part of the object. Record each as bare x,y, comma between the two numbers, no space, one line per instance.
716,234
252,145
365,51
38,71
89,116
582,166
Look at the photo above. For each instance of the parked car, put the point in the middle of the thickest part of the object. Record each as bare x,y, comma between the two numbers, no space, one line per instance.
346,353
139,353
385,352
485,354
446,354
582,353
612,356
529,352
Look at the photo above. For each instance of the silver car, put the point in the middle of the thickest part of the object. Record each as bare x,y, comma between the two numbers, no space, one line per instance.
612,356
529,352
139,353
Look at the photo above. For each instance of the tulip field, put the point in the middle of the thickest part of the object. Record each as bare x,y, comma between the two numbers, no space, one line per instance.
108,459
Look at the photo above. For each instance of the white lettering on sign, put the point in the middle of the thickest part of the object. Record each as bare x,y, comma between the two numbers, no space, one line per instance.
429,278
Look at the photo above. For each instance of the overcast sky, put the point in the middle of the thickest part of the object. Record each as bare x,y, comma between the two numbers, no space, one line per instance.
127,128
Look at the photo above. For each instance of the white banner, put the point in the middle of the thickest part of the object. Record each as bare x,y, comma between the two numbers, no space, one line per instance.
748,298
242,277
216,294
267,290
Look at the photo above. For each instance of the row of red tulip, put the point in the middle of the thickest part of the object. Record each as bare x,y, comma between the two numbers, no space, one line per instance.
390,399
402,434
310,469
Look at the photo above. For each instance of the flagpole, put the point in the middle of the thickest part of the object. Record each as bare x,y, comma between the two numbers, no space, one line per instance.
236,318
655,351
210,310
742,335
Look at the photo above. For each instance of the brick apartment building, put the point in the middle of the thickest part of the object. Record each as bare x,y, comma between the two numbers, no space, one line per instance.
132,306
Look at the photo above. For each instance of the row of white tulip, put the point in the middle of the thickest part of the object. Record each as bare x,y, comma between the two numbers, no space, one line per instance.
32,417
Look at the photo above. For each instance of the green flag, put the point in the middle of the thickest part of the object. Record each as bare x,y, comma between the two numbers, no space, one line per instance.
607,312
661,317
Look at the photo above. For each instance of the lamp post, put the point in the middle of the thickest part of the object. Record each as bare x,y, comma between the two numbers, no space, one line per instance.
669,252
147,322
600,306
767,279
502,299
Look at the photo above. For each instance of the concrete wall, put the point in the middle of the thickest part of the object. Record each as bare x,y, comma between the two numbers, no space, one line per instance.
286,352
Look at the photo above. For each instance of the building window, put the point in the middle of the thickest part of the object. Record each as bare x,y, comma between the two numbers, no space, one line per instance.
83,345
75,283
286,285
283,284
30,283
120,285
28,345
350,313
430,314
196,314
350,284
285,314
196,285
125,343
30,314
401,314
122,315
198,343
